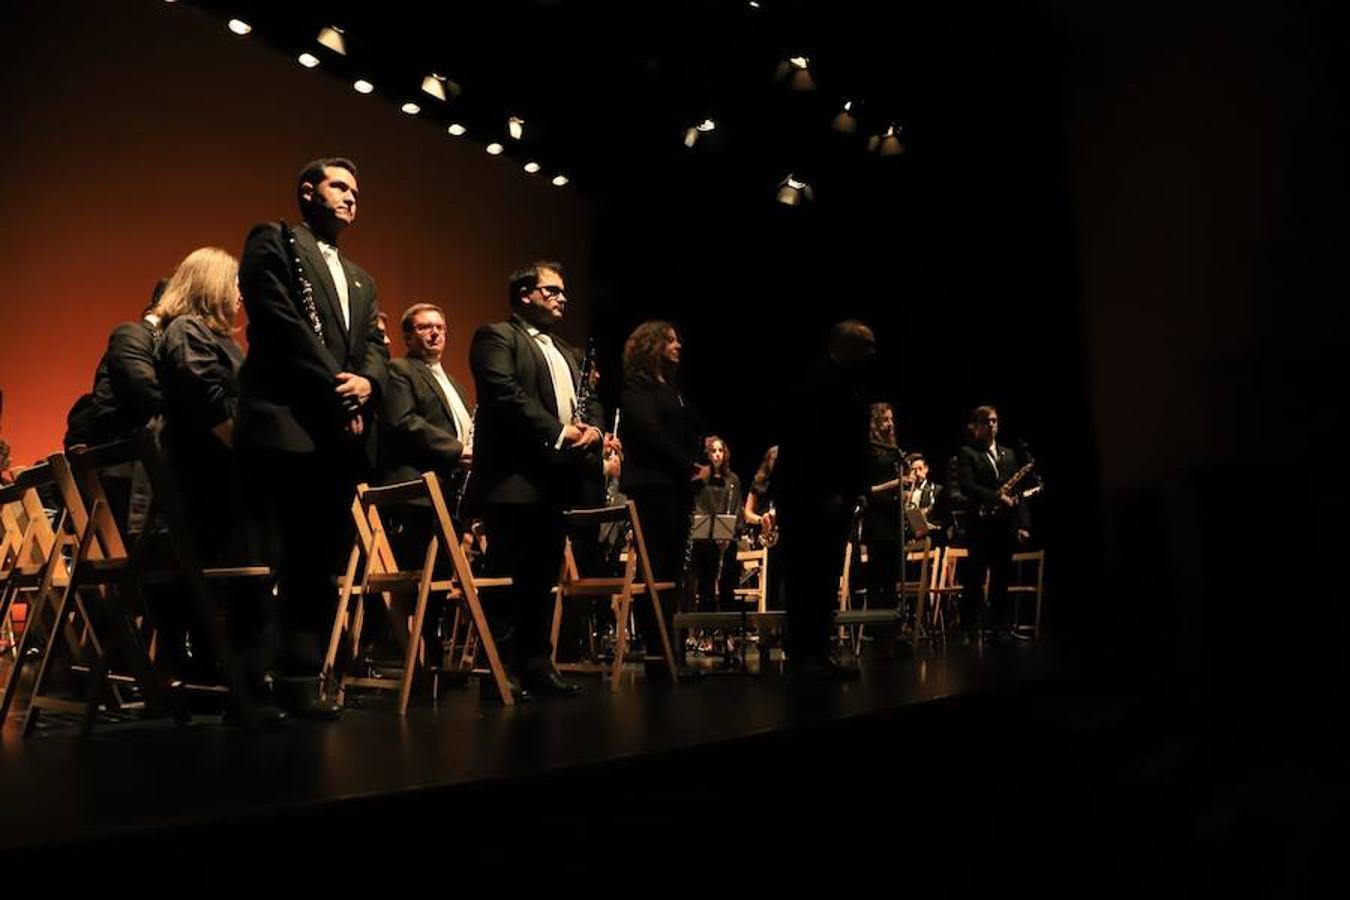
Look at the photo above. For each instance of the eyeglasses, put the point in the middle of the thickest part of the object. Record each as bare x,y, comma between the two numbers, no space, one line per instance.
425,327
551,290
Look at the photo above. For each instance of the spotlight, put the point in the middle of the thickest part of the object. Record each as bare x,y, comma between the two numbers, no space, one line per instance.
691,134
331,37
845,121
439,87
240,27
532,167
308,60
794,192
516,126
754,4
796,71
457,130
888,144
495,149
560,181
363,87
411,109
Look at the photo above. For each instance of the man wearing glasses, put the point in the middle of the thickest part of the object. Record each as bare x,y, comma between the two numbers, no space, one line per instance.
533,454
995,522
426,411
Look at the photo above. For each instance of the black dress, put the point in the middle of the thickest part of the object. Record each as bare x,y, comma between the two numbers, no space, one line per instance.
882,529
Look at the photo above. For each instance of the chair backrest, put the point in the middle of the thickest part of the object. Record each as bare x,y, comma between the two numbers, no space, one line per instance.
1029,557
637,561
927,556
374,540
950,574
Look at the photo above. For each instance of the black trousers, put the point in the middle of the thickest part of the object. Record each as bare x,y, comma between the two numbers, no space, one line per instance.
303,504
991,542
716,585
814,531
525,543
883,568
664,513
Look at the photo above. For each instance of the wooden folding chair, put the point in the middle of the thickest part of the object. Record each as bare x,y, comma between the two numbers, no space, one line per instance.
920,589
383,578
948,589
633,584
106,591
34,574
754,570
1022,587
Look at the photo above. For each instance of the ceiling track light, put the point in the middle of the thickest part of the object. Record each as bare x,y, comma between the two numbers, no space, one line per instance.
515,126
332,38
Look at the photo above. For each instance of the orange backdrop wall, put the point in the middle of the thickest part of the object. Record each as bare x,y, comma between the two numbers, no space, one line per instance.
137,131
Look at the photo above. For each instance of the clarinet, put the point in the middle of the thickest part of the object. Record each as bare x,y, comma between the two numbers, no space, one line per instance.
303,288
468,447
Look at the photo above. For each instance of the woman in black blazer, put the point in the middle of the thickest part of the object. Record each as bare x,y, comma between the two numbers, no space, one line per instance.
198,371
662,438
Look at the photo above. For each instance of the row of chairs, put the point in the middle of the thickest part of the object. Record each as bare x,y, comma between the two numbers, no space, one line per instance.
87,625
930,587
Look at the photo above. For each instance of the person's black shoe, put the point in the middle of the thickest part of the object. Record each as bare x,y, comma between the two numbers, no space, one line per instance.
545,681
487,690
299,698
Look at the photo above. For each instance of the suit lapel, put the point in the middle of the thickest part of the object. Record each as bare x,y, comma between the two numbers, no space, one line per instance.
429,381
543,376
314,262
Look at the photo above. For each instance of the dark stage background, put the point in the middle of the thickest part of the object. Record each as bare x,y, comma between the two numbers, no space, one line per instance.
1121,222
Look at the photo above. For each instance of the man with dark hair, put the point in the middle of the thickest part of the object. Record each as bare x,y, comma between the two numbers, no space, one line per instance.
313,379
532,455
820,480
995,521
125,396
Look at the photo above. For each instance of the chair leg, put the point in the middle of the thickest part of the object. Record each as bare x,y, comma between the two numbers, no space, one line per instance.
415,630
620,638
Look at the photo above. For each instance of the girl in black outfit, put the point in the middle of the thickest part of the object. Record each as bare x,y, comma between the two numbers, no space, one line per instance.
719,495
881,521
662,439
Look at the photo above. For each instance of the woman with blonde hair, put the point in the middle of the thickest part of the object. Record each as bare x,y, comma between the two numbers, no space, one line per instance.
198,370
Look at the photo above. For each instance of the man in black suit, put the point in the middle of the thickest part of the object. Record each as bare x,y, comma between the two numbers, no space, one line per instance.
125,396
995,522
820,479
532,457
427,421
310,386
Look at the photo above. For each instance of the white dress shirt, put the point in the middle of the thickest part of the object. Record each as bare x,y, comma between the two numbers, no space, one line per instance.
330,256
463,420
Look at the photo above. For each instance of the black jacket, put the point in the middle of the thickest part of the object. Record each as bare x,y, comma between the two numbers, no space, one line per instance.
515,437
419,433
823,443
288,384
662,435
126,392
979,483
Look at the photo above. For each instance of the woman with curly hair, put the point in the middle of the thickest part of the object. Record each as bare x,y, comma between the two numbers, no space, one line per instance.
662,435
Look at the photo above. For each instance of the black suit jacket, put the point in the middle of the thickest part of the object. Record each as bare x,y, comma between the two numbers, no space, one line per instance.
288,401
662,435
515,460
823,443
419,432
979,483
126,391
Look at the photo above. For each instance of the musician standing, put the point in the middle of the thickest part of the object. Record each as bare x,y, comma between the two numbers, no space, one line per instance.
995,522
820,479
310,386
882,528
534,454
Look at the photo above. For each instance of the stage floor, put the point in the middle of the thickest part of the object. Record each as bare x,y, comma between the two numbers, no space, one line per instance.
143,778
